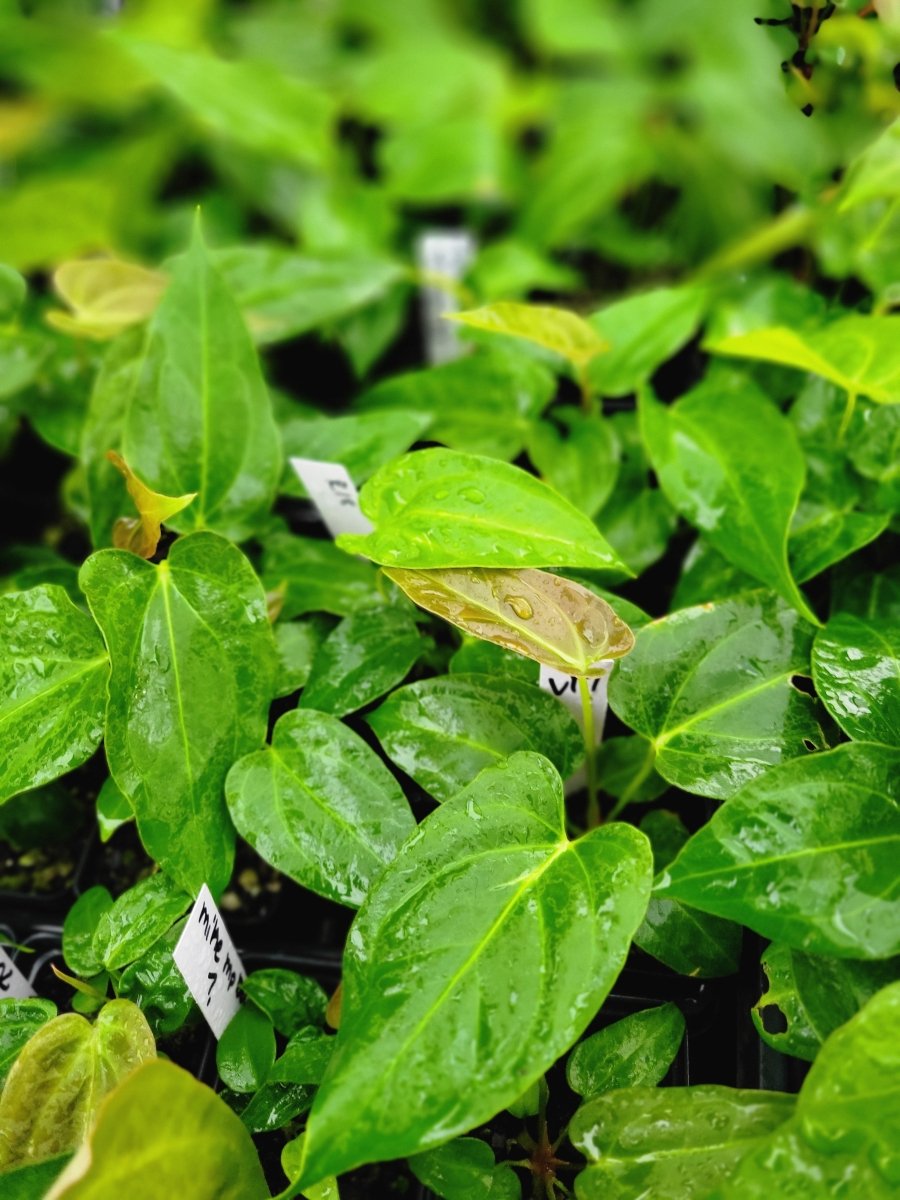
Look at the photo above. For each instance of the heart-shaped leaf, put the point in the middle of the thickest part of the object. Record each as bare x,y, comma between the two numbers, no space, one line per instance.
634,1052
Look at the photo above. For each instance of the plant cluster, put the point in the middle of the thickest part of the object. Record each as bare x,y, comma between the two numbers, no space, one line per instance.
661,457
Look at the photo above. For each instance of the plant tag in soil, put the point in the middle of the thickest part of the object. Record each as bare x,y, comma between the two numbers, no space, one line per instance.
210,965
13,983
447,252
565,689
334,494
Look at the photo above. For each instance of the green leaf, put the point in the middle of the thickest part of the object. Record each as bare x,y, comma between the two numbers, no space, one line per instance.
667,833
53,669
365,656
443,731
822,536
319,577
581,461
19,1022
735,499
626,771
441,508
490,899
193,664
296,643
251,103
856,669
555,329
642,332
875,173
483,403
464,1169
157,987
636,1051
305,1057
13,290
475,657
33,1182
361,442
691,942
672,1142
534,613
137,920
810,996
55,1087
78,931
319,806
292,1001
113,809
194,1147
711,688
246,1050
199,418
273,1107
796,860
861,354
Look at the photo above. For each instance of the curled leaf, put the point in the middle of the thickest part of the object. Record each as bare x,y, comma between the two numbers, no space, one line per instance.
556,329
141,534
552,620
105,296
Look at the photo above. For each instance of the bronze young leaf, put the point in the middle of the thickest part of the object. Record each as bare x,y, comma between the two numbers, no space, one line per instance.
542,616
141,534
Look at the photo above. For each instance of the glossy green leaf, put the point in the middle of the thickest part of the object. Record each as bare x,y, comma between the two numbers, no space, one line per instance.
34,1181
843,1139
53,670
634,1052
365,656
536,614
642,332
443,731
137,920
808,997
273,1107
193,1147
626,771
667,833
319,806
318,576
78,931
742,507
361,442
691,942
806,854
305,1057
157,987
51,1095
292,1001
711,688
673,1142
489,898
464,1169
856,669
441,508
556,329
822,536
581,459
199,418
19,1021
113,809
192,677
246,1050
296,643
475,657
483,403
861,354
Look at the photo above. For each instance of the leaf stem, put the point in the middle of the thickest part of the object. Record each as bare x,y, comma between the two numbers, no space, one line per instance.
587,713
849,410
584,386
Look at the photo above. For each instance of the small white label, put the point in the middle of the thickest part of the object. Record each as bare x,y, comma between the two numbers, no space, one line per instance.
565,688
209,964
448,253
12,981
334,494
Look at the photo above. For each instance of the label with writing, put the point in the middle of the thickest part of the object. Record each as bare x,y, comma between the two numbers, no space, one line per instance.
565,688
209,964
448,253
334,494
12,981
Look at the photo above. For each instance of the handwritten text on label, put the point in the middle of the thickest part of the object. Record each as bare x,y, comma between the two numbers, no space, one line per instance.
210,965
334,494
12,981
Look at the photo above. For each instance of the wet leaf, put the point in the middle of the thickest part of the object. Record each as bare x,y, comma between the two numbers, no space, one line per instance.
556,329
691,942
157,987
194,1147
856,669
292,1001
464,1169
319,576
305,1057
810,996
581,460
296,643
488,899
365,656
475,657
794,859
319,806
742,507
441,508
141,535
273,1106
104,296
542,616
137,920
246,1050
19,1022
56,1085
711,688
113,809
78,931
634,1052
626,771
443,731
53,672
672,1142
193,663
199,418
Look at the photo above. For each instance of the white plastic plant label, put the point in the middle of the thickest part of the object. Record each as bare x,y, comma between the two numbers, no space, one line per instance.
209,964
13,983
565,688
448,253
334,494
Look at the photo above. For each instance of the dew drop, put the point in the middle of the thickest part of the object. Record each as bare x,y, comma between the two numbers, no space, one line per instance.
473,495
520,607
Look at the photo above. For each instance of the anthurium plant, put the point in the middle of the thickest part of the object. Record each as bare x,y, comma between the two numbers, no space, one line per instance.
600,674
